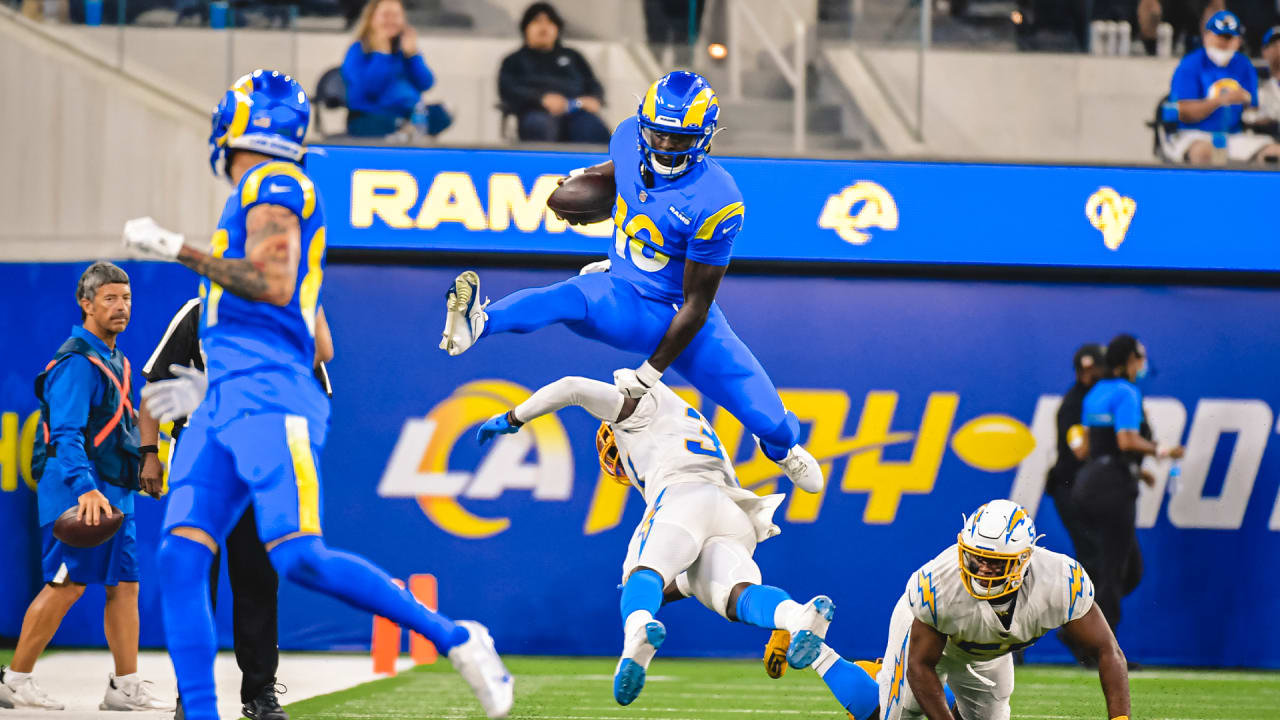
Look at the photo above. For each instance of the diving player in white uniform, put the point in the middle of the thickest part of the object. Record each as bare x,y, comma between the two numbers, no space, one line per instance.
699,530
962,616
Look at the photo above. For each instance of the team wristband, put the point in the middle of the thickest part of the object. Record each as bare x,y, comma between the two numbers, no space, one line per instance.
648,374
144,449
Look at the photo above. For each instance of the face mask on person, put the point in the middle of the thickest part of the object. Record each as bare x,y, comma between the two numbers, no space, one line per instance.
1220,56
1142,373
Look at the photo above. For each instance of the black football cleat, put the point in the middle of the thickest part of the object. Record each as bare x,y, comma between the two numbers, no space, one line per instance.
265,705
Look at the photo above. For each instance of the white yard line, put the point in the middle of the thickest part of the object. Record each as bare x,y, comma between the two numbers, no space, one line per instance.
78,679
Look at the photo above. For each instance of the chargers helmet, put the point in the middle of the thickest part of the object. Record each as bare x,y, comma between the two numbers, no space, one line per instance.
610,458
265,111
677,121
995,545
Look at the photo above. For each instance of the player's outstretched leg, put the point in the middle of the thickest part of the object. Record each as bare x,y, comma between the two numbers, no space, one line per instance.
642,635
772,608
854,685
524,311
350,578
188,622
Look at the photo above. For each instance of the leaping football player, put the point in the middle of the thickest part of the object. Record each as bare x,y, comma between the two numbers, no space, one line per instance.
700,528
257,435
677,212
960,620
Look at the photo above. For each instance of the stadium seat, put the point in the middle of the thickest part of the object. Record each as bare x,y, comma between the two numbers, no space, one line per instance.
1161,129
331,94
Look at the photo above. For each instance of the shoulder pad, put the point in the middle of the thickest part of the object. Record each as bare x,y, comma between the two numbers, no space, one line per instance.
279,183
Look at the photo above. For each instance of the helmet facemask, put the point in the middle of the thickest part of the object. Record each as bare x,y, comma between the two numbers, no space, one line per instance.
989,575
669,153
610,457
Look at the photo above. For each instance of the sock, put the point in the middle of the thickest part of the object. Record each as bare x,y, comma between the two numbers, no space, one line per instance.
534,308
11,675
352,579
826,658
188,622
642,593
761,605
855,690
126,682
778,442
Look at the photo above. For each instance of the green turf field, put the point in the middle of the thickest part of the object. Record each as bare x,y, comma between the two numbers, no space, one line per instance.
581,689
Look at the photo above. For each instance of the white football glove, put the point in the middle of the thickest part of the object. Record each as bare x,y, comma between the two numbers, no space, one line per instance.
169,400
636,383
598,266
144,236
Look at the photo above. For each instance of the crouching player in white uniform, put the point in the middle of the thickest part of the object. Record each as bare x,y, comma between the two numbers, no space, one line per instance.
699,530
962,616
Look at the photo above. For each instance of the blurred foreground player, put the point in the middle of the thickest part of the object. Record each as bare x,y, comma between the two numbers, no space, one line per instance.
254,583
963,615
86,459
699,531
677,212
257,436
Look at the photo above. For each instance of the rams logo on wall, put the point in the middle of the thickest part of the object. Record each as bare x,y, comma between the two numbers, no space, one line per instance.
1110,212
875,209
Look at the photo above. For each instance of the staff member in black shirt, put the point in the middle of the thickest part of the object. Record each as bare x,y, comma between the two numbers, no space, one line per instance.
1072,449
1105,494
254,583
549,87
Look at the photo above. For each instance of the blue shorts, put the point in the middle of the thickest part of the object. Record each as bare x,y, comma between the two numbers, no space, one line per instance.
113,562
266,458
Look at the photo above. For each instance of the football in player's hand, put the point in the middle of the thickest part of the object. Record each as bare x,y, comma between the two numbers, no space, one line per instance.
584,198
80,534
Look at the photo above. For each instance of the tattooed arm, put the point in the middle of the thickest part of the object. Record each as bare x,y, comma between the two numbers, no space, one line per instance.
269,270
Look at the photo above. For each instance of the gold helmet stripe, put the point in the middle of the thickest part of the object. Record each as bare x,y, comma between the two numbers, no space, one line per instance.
705,100
650,107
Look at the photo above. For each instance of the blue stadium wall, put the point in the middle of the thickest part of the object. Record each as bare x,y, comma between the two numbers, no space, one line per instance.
927,396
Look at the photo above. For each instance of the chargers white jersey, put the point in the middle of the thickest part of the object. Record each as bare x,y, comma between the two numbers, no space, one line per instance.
666,441
1055,590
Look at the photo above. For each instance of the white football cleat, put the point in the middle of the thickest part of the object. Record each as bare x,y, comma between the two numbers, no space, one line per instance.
637,651
803,469
478,663
132,696
24,693
464,314
808,629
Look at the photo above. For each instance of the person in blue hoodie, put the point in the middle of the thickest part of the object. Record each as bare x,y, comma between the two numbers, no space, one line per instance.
1212,87
383,70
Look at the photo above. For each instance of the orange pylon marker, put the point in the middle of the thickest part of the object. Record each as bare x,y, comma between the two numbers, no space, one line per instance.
423,588
385,643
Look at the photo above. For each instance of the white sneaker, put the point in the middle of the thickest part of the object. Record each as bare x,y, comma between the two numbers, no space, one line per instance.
24,693
478,663
638,650
808,629
803,469
132,696
464,314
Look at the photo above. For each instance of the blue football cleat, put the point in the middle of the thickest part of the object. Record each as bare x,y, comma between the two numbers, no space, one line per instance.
806,640
628,678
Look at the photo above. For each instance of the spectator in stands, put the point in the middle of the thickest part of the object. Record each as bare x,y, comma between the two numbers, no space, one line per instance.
667,24
383,70
549,87
1269,89
1212,86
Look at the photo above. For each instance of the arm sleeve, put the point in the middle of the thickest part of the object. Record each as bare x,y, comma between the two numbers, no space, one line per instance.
1185,84
713,243
70,388
602,400
1128,412
591,87
419,74
514,88
179,346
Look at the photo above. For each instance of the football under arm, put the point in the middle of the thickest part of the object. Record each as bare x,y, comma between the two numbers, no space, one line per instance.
601,400
701,283
926,649
1093,636
269,270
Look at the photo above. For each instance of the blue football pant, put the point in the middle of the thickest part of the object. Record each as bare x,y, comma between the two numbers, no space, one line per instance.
273,466
600,306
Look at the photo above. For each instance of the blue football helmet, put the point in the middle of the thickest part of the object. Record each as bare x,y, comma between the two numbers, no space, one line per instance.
677,121
265,111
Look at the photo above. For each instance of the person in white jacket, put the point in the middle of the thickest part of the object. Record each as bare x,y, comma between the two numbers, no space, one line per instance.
699,530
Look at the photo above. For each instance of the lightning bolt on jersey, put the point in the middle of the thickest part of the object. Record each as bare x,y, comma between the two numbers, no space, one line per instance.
695,216
1055,590
260,356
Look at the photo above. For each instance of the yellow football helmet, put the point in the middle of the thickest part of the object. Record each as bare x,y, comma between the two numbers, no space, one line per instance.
995,546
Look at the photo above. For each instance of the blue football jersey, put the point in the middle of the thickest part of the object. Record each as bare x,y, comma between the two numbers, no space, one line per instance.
258,354
694,216
1198,78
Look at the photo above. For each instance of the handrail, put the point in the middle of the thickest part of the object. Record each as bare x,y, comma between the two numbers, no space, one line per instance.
794,72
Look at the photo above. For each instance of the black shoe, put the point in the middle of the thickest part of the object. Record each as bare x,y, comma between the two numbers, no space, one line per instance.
265,706
178,713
